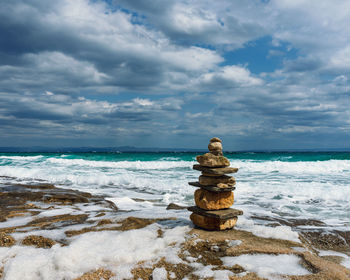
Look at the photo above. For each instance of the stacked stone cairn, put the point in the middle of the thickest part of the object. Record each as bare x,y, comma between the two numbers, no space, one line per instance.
215,194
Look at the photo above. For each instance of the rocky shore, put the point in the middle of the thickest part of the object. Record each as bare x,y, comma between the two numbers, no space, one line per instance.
46,219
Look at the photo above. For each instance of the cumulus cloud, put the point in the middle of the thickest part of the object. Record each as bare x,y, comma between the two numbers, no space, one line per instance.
223,23
228,77
114,69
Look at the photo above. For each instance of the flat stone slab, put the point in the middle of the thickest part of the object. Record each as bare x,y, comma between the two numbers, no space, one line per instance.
211,160
211,188
224,214
215,171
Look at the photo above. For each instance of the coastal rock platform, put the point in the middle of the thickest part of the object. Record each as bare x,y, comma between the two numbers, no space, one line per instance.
89,233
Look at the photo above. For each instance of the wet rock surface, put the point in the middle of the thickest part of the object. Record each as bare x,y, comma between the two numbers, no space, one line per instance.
31,208
26,212
313,232
174,206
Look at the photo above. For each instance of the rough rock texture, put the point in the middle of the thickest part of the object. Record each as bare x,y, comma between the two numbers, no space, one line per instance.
215,171
211,160
213,201
222,188
215,148
38,241
100,274
6,240
224,214
174,206
214,181
210,223
215,139
210,175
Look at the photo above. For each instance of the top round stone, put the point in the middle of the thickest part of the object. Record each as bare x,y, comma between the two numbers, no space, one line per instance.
215,139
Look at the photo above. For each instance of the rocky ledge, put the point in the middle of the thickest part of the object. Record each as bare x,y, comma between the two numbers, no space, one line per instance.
28,211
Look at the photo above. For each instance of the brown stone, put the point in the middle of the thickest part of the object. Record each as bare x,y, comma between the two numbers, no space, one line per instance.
219,188
215,171
210,223
173,206
100,274
215,181
217,152
211,160
210,175
225,186
38,241
6,240
215,146
215,139
224,214
212,200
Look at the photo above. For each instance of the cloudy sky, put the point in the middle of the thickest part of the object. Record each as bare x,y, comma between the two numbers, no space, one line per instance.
173,73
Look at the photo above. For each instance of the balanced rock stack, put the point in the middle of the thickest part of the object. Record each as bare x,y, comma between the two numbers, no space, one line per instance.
215,194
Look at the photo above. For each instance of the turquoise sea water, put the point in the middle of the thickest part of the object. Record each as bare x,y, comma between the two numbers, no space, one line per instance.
294,185
188,156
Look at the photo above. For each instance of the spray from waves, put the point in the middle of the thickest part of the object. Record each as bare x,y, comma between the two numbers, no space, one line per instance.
81,172
21,158
309,188
296,167
143,165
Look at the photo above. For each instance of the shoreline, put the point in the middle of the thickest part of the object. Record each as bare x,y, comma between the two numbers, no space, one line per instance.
44,217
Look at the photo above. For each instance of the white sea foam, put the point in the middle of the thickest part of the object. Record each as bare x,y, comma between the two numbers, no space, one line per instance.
60,211
15,222
279,232
346,259
22,158
314,189
268,266
159,273
126,203
207,272
118,251
296,167
143,165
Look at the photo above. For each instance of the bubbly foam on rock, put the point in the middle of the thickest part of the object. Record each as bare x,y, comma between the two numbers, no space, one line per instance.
207,272
126,203
110,250
159,273
15,222
278,232
346,259
268,266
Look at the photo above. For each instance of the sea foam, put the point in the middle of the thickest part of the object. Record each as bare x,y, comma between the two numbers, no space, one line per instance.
274,188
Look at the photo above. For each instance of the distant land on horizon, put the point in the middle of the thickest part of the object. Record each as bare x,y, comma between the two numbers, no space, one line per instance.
132,149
